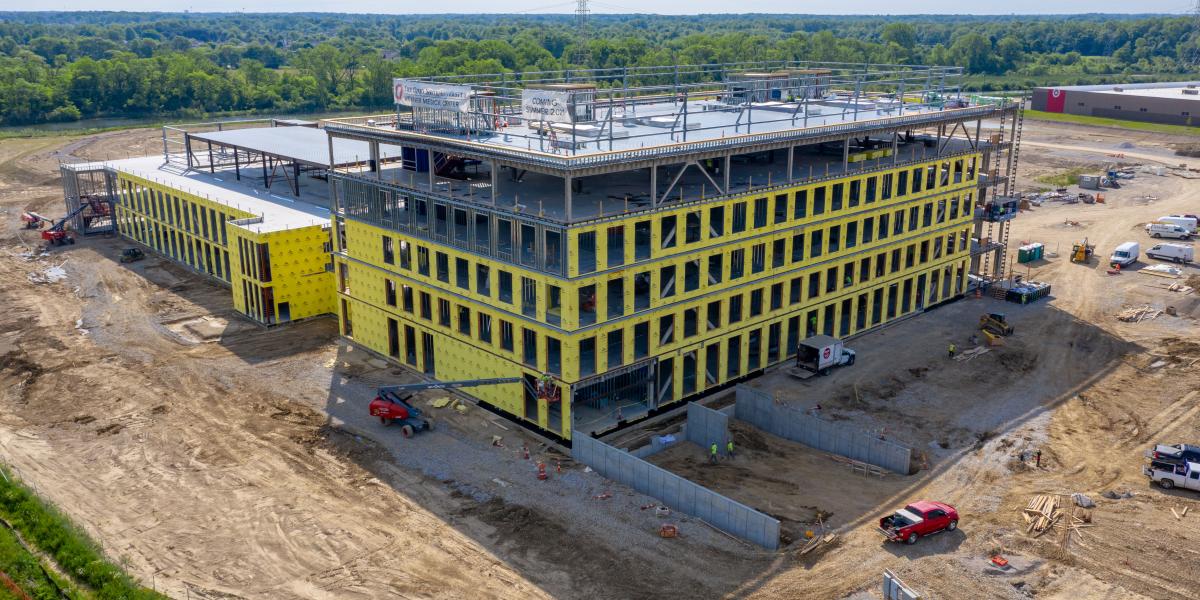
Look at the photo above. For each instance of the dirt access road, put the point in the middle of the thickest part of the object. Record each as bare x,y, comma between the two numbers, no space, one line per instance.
200,452
230,463
1088,391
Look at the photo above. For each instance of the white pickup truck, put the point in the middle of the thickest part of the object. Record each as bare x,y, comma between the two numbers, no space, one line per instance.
1171,475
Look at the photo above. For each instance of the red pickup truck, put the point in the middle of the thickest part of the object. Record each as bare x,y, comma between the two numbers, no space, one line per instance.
917,520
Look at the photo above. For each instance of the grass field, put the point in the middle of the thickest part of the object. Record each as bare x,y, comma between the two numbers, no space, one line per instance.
26,571
54,535
1063,179
1104,122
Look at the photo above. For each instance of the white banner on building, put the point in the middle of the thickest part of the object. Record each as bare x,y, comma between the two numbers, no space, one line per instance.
546,105
437,96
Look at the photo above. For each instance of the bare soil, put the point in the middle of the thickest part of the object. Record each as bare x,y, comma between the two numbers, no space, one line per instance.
218,459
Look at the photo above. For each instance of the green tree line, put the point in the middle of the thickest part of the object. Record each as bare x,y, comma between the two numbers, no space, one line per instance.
69,66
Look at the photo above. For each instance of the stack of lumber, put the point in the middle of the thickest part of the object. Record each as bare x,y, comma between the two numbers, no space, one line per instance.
1073,527
818,541
1046,512
1138,314
1041,514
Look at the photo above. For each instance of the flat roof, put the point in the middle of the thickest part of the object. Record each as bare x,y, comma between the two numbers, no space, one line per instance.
1162,89
278,212
307,145
645,130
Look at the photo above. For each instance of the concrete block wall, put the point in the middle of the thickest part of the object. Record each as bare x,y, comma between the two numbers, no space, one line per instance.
760,410
705,426
676,492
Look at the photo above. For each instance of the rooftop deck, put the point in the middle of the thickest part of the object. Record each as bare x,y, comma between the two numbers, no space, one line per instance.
645,139
583,122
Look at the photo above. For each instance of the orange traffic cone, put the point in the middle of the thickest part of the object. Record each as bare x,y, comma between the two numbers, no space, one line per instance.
542,471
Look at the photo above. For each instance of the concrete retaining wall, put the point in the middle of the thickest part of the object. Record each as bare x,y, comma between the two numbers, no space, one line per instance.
894,589
675,491
760,410
705,426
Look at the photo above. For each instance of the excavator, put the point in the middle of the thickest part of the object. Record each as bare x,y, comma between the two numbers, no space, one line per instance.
1082,252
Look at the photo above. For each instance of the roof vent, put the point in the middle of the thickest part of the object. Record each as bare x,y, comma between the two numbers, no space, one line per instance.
1118,89
1192,92
1191,86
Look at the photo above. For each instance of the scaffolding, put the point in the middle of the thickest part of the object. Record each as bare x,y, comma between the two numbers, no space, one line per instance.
90,186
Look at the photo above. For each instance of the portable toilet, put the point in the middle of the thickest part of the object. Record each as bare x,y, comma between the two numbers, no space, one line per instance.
1089,182
1024,254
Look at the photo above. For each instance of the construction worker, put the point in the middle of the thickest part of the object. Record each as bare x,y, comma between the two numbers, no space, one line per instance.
712,453
953,349
729,448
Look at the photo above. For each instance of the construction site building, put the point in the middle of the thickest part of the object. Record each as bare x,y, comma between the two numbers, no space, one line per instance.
621,240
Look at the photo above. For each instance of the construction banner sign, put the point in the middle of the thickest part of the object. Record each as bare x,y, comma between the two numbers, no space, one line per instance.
434,96
546,105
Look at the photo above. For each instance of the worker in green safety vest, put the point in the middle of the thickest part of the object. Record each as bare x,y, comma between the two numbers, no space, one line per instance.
712,453
729,448
953,349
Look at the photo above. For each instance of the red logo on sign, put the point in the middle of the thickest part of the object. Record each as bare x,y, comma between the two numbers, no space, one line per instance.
827,351
1056,101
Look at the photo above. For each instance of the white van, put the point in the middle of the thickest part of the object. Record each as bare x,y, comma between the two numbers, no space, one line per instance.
1180,253
1166,230
1188,223
1126,254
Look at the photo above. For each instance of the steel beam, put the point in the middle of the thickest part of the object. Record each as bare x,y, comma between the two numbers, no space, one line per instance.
674,181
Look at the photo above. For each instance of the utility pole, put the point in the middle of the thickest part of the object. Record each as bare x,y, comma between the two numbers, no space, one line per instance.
582,55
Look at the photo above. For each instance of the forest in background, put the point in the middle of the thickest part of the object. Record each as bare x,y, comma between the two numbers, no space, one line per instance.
69,66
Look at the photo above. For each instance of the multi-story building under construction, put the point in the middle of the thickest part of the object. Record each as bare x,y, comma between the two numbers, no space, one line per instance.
635,237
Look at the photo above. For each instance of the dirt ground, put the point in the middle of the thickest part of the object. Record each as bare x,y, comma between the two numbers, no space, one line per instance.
217,459
801,487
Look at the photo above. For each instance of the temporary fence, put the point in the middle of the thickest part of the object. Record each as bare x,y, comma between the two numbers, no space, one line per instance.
676,492
759,409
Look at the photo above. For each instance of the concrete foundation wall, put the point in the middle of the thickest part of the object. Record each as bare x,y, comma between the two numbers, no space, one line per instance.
705,426
676,492
760,410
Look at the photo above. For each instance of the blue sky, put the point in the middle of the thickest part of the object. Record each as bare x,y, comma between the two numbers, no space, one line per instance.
623,6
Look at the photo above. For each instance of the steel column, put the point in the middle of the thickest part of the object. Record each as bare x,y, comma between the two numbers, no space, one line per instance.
495,182
332,165
567,195
429,156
